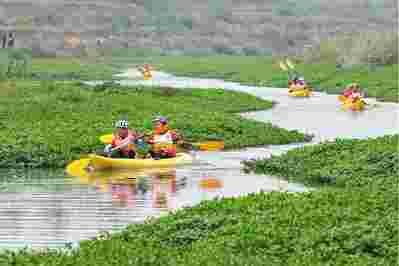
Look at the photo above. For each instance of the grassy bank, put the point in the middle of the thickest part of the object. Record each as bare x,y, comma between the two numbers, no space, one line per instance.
380,82
350,222
46,124
71,68
347,164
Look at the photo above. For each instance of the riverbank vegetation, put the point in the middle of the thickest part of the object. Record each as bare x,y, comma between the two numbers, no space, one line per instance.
368,58
350,220
47,124
377,81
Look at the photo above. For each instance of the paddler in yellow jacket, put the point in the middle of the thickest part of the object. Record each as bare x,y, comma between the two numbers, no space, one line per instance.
146,71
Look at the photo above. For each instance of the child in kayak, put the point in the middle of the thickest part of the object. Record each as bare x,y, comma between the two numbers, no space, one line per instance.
352,92
163,140
123,138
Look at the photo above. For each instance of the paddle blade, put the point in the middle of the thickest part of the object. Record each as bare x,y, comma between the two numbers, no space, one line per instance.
282,66
106,139
289,64
204,146
211,146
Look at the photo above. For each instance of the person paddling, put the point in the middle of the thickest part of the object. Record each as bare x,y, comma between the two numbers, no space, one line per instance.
297,84
352,92
163,139
122,145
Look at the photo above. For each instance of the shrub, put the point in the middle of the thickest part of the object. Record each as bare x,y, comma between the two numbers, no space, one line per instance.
224,49
379,48
15,63
187,22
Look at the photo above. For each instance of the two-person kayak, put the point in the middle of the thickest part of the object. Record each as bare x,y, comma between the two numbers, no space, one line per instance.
100,162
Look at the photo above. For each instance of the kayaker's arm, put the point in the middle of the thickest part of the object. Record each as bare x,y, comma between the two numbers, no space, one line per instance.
124,144
177,138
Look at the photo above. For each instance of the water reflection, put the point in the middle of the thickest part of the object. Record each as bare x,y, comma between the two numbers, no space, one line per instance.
131,188
49,209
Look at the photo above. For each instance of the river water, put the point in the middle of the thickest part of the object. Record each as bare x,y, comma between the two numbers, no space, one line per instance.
51,208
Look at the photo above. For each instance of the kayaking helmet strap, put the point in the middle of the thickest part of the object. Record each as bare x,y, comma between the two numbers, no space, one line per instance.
122,124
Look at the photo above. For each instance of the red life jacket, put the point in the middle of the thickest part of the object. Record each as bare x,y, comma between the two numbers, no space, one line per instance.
348,92
118,140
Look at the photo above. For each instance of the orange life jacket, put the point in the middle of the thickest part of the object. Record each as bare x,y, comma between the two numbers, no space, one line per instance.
164,142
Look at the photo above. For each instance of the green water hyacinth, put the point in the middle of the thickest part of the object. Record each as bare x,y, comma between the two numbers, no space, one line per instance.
48,123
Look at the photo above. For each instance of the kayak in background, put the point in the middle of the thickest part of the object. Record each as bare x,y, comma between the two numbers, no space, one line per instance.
358,105
300,93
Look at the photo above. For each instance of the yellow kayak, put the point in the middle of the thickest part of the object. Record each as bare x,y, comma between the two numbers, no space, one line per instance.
147,76
103,178
300,93
99,162
354,106
342,98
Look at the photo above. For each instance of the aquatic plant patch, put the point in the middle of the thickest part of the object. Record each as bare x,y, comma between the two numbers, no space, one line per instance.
47,124
345,163
350,221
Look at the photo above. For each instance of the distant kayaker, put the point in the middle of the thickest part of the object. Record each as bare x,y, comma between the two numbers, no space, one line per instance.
298,83
122,142
163,139
349,89
355,96
146,71
352,92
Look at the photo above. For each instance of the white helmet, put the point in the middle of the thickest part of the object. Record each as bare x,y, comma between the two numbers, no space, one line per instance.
122,124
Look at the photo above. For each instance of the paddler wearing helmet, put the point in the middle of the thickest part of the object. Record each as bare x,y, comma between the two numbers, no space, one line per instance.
163,139
298,84
123,139
300,81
